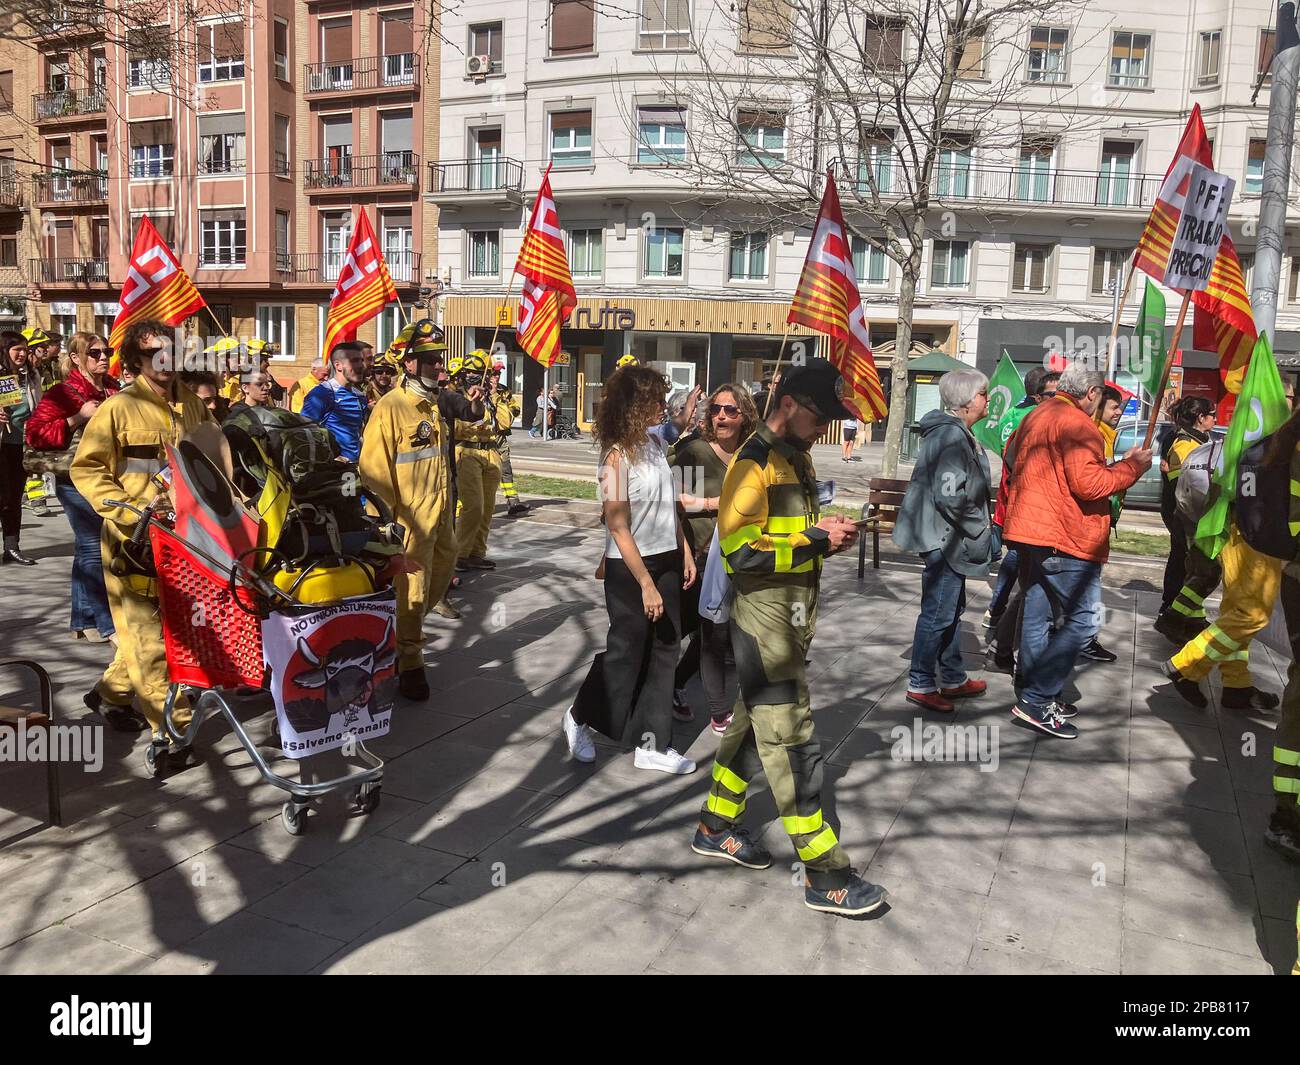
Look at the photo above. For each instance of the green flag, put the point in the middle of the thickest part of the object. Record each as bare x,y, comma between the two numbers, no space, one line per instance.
1147,360
1260,410
1005,391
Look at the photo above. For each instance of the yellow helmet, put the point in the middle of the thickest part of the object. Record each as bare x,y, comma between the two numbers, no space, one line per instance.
224,346
627,360
473,363
420,336
36,336
455,364
257,346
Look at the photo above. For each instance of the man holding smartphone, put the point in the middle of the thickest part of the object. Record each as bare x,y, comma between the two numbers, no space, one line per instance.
773,540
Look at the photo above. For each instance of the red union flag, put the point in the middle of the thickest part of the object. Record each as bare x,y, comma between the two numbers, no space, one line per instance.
548,294
364,287
826,299
1223,316
155,289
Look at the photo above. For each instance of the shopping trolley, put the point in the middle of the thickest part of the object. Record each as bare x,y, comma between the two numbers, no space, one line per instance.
213,640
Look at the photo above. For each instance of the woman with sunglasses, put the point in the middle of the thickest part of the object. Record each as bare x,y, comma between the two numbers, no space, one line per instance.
15,362
730,417
55,426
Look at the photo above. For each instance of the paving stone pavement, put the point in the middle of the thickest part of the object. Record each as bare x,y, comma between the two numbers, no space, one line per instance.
1137,848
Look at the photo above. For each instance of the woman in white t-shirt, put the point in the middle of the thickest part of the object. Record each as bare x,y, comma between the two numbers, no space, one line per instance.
628,694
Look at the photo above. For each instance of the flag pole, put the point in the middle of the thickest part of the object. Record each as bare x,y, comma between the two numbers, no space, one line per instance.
775,372
1114,325
1174,342
215,319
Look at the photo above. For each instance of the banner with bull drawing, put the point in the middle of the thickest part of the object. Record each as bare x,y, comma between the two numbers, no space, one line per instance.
333,672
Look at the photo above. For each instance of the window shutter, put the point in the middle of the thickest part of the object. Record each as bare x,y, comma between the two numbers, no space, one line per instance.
765,23
573,27
210,125
228,40
399,37
570,120
336,40
6,90
1018,271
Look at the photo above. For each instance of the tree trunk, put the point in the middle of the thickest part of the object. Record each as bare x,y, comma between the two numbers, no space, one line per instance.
898,393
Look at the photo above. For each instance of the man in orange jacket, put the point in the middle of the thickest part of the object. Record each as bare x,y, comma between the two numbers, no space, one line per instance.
1058,518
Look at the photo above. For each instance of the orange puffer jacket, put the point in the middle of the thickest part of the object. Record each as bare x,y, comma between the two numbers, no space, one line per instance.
1061,485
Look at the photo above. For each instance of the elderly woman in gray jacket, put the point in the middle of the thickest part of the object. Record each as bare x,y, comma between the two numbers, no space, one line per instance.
945,519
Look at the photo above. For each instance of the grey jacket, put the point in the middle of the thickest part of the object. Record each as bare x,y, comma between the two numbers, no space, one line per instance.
946,507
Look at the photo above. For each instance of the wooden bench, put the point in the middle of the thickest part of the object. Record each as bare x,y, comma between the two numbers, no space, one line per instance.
884,497
11,716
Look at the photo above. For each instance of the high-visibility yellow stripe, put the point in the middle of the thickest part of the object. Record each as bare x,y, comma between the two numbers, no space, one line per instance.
784,555
1284,757
1236,656
820,844
725,807
778,524
739,538
805,567
729,780
1223,638
801,826
1189,594
1295,487
1189,611
1287,785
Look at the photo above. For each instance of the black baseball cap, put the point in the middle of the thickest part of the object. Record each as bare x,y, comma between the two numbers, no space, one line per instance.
816,384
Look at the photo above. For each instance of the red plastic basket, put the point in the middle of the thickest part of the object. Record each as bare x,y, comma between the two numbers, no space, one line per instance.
210,641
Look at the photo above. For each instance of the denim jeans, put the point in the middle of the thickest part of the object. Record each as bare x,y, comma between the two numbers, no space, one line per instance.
1006,581
937,640
1072,587
89,600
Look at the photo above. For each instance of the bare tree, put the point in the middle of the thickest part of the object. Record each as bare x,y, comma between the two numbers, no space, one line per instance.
892,96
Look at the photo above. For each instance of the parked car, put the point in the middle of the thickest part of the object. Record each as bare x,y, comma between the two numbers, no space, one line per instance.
1145,495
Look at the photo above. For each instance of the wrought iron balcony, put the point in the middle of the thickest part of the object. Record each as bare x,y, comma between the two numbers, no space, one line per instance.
69,103
11,193
61,271
322,267
382,72
69,187
451,176
362,171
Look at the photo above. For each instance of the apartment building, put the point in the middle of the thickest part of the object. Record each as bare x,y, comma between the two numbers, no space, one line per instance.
1028,235
247,133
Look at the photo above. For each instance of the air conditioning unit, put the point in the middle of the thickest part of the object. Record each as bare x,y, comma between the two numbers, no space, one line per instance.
478,66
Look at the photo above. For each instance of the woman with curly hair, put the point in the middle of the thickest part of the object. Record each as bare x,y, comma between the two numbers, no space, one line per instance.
729,418
628,693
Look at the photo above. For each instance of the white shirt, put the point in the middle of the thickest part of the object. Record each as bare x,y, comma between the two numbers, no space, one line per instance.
651,493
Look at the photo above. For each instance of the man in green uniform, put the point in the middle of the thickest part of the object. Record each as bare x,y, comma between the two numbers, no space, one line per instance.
773,541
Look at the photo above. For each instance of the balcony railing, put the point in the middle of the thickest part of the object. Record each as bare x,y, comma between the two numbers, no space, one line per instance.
322,267
281,163
60,20
476,175
61,271
366,72
69,188
11,194
359,171
1045,186
68,103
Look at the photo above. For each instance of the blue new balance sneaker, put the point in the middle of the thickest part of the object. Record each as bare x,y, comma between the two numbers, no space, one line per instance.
732,845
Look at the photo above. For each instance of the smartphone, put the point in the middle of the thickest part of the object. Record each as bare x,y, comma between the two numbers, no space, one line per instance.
862,523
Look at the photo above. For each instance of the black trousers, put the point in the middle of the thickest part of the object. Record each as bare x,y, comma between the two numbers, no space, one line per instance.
1176,563
13,478
629,691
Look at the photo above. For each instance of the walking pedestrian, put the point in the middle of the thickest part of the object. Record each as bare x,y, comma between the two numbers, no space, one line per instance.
849,433
628,693
15,362
945,519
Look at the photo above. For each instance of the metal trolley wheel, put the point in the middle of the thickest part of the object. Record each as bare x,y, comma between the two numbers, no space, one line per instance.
367,796
294,818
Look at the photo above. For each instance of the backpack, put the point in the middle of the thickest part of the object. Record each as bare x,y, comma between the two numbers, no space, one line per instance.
1262,508
1192,491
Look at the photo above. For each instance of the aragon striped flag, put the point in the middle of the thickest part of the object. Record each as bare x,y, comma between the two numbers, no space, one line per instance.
155,289
548,294
364,286
827,300
1223,316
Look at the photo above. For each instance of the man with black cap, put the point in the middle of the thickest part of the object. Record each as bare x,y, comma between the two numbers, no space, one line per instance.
773,540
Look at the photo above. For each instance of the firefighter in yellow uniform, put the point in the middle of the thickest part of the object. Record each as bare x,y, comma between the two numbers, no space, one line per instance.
405,461
478,466
773,541
121,452
299,389
1186,617
514,505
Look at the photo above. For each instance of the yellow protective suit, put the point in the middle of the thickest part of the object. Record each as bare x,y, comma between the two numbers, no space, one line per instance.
299,389
121,449
404,463
478,475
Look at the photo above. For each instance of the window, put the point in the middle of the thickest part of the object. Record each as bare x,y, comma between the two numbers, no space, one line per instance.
485,171
1047,54
1108,267
283,260
56,74
337,233
587,254
664,255
765,24
1030,270
280,47
948,263
883,46
665,24
1247,268
485,39
6,90
399,245
147,57
1130,59
399,47
1207,58
221,52
1034,171
283,151
1255,167
877,163
1115,186
395,144
8,249
869,262
573,27
748,257
221,144
98,71
970,64
485,253
952,168
275,324
222,238
661,135
1267,45
571,138
152,160
1293,279
760,138
336,139
336,56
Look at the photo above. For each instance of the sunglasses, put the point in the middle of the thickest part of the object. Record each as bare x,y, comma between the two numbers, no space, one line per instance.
818,415
97,352
729,409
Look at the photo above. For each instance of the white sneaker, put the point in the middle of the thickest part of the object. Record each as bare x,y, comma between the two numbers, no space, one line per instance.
668,761
578,738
